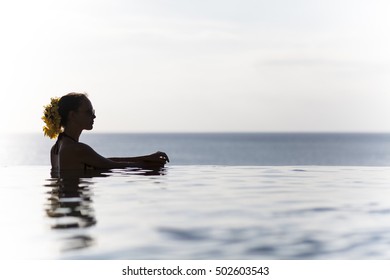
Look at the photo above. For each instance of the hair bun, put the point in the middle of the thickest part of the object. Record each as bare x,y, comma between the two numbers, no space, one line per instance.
52,119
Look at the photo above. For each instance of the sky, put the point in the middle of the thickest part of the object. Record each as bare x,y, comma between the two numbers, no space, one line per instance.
199,66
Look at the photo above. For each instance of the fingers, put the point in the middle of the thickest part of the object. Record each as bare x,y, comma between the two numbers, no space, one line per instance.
163,156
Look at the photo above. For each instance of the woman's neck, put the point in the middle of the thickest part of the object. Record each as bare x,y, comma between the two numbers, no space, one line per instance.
72,133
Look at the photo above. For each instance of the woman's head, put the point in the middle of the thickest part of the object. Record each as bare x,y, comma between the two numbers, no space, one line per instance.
72,109
70,102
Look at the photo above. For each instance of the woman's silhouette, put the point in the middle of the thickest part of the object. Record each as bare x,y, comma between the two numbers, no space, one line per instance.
66,118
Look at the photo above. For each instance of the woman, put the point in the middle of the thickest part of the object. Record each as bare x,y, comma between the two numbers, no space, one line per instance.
66,118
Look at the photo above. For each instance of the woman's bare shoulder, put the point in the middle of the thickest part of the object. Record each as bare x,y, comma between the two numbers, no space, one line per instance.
71,149
82,147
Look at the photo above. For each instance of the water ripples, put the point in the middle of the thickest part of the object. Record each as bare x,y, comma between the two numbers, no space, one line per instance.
206,212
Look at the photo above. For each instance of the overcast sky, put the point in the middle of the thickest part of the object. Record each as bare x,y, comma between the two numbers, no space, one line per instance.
195,66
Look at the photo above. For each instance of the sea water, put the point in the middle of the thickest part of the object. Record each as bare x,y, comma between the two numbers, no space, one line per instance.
203,211
236,149
197,212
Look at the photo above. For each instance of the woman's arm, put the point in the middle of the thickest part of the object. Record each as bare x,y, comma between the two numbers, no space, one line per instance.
158,159
87,155
84,154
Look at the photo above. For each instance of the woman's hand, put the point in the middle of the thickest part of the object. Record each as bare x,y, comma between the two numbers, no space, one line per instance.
159,157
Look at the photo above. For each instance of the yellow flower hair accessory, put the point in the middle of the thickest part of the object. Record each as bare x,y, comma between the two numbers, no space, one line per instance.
52,119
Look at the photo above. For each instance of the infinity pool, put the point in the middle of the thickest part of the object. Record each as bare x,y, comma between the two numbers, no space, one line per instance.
197,212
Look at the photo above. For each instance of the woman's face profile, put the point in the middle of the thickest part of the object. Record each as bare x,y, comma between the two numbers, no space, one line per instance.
85,115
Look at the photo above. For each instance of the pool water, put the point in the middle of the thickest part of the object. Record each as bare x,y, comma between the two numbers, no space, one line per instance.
197,212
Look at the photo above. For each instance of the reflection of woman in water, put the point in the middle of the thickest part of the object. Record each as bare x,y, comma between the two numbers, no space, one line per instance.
70,203
66,118
69,206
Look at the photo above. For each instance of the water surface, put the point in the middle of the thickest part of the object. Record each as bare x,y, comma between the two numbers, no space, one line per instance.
197,212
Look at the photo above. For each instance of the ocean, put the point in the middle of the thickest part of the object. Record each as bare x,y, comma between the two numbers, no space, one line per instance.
223,196
232,149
